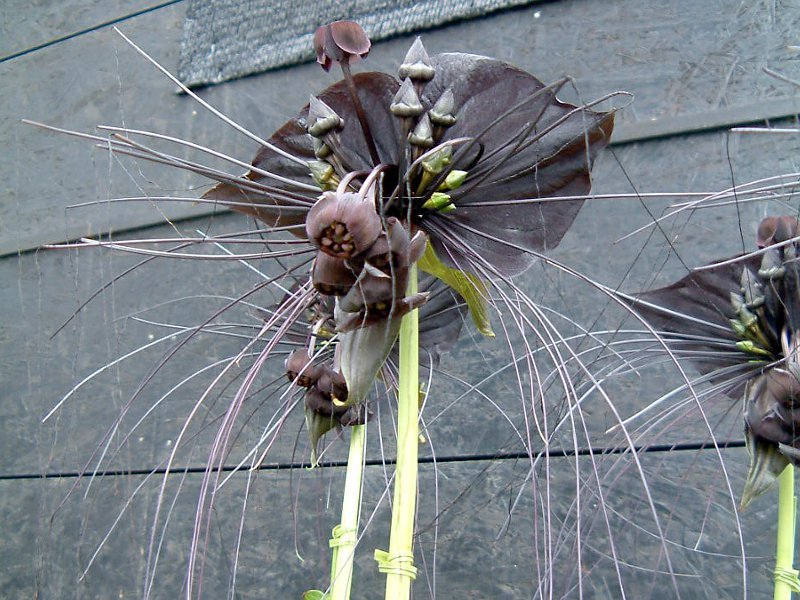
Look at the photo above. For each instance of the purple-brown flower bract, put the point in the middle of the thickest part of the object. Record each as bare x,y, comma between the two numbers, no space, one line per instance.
516,142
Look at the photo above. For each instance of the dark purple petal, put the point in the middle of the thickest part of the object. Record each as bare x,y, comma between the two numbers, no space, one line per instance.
350,38
773,230
340,41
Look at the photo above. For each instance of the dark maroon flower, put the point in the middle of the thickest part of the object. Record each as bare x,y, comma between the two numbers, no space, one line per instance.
343,225
478,156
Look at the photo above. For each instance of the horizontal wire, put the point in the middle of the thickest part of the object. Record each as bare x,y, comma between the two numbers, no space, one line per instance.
456,458
86,30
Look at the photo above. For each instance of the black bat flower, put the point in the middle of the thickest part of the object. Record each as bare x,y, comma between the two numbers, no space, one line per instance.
462,166
738,322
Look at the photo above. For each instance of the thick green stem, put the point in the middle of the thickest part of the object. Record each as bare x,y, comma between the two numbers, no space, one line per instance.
398,563
785,575
346,532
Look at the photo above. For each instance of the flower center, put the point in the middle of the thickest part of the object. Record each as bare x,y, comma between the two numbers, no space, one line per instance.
338,239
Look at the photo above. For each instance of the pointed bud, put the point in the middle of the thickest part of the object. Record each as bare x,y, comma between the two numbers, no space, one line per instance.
300,369
344,225
771,264
752,289
443,111
417,64
422,136
322,119
321,149
455,179
332,276
439,201
406,101
340,41
323,174
437,160
417,245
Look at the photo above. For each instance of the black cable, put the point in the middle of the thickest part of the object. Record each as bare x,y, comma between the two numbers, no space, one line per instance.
456,458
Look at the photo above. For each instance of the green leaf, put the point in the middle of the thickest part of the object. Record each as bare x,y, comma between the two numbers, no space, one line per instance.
470,286
314,595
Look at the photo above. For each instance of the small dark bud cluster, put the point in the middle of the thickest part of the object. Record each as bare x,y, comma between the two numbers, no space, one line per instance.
326,388
362,259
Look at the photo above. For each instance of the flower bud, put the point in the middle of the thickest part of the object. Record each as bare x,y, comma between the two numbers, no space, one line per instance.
375,295
417,64
333,385
323,174
317,401
321,149
332,276
300,370
406,102
389,253
322,119
340,41
436,160
443,111
422,136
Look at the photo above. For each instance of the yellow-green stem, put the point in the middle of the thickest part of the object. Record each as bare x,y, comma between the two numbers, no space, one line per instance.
785,575
398,563
346,533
